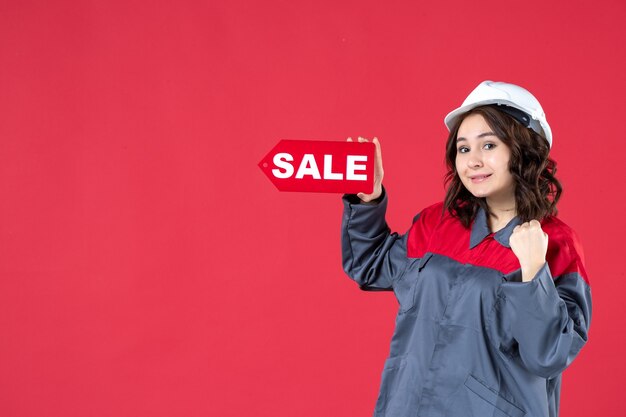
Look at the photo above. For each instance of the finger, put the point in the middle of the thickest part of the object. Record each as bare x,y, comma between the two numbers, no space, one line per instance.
349,139
379,153
361,139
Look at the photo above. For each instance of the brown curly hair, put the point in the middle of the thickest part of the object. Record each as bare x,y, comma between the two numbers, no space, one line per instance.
537,190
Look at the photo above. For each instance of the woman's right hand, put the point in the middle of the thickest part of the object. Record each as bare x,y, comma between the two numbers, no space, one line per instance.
378,172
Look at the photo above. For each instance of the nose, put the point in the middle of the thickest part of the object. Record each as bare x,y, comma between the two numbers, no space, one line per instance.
475,160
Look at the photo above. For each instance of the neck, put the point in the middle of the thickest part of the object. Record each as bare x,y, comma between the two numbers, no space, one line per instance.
502,213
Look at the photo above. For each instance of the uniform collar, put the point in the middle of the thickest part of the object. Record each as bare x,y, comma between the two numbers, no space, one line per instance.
480,229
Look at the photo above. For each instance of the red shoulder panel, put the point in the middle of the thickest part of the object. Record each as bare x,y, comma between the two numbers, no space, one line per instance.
422,230
439,232
565,253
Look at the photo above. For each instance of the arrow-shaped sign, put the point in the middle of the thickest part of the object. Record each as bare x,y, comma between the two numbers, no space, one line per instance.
321,166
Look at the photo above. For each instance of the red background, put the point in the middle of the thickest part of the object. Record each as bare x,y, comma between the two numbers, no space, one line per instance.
149,268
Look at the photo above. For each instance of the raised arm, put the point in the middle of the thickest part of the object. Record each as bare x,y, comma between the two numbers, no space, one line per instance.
372,255
550,315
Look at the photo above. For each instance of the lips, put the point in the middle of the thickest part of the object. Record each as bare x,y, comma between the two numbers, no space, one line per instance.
479,178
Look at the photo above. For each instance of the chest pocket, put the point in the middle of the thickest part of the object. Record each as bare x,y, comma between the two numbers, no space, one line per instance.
406,286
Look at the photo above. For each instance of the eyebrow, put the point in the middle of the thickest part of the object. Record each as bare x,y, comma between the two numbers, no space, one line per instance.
482,135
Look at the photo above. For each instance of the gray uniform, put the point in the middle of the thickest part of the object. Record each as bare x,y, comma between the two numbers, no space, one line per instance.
471,339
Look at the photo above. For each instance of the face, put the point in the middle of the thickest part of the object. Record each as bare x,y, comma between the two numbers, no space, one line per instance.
482,162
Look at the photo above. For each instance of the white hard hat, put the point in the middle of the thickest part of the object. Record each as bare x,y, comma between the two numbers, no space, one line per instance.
510,97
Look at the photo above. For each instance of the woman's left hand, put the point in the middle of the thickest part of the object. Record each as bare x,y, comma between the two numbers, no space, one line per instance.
530,244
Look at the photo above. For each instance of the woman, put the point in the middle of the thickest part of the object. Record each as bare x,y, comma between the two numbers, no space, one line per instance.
494,299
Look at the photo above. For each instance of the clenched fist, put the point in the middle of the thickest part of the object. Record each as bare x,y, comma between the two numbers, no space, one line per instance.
530,244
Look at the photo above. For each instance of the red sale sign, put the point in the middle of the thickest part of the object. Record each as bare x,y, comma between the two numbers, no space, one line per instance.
321,166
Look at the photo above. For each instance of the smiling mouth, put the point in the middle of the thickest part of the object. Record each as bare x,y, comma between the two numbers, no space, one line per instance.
479,178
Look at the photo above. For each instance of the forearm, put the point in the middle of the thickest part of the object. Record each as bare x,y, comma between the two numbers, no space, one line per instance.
371,253
549,324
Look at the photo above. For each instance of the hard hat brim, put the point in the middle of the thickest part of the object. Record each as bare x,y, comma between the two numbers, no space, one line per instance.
452,117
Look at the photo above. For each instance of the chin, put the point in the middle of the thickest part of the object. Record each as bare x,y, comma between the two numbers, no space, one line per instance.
477,193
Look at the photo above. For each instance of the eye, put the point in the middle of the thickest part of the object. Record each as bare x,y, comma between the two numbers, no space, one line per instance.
489,145
463,149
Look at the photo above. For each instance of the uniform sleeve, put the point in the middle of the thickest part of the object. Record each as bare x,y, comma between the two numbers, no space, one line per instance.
372,256
549,315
